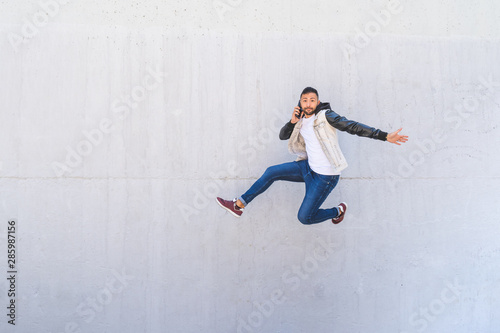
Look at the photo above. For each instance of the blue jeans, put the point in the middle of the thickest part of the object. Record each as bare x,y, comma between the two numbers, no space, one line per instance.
318,187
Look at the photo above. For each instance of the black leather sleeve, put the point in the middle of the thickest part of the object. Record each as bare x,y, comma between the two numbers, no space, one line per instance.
286,131
353,127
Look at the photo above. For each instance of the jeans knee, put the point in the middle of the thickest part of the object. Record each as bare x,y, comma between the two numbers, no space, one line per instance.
304,219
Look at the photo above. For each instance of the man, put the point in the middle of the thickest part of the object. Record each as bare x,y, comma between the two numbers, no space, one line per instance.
313,137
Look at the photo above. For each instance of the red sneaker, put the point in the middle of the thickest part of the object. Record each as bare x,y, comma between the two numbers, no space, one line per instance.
230,206
342,207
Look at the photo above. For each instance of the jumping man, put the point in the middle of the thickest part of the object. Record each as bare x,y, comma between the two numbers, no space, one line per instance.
312,134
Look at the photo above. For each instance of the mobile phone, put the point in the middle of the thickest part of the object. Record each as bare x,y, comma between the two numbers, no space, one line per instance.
301,111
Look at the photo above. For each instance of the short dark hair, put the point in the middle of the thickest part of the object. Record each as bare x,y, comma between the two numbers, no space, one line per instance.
308,90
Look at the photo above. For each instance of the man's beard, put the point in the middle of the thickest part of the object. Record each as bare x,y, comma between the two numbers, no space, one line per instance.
309,111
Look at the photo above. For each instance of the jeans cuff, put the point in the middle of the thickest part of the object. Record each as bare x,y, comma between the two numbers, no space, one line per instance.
242,201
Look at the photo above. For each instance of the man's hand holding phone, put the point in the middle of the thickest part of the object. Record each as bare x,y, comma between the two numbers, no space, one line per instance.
297,114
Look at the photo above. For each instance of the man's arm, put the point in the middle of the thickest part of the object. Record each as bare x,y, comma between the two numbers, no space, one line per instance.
286,131
353,127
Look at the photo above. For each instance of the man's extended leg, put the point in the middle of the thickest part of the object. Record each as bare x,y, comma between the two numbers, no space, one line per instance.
291,171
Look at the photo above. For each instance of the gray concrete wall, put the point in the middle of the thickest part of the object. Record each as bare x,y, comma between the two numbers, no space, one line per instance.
121,121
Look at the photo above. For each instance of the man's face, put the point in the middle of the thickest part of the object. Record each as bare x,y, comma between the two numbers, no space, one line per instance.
309,102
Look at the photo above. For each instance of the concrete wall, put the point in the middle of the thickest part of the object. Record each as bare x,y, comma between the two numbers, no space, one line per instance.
121,121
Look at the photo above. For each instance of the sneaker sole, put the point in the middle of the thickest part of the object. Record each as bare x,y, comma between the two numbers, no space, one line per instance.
227,209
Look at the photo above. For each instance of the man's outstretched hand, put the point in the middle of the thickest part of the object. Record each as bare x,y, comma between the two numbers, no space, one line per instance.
396,138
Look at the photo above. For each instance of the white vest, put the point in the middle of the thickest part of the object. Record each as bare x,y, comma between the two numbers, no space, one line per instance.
327,137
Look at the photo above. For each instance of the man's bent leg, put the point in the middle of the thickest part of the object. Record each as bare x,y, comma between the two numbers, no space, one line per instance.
318,187
287,171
